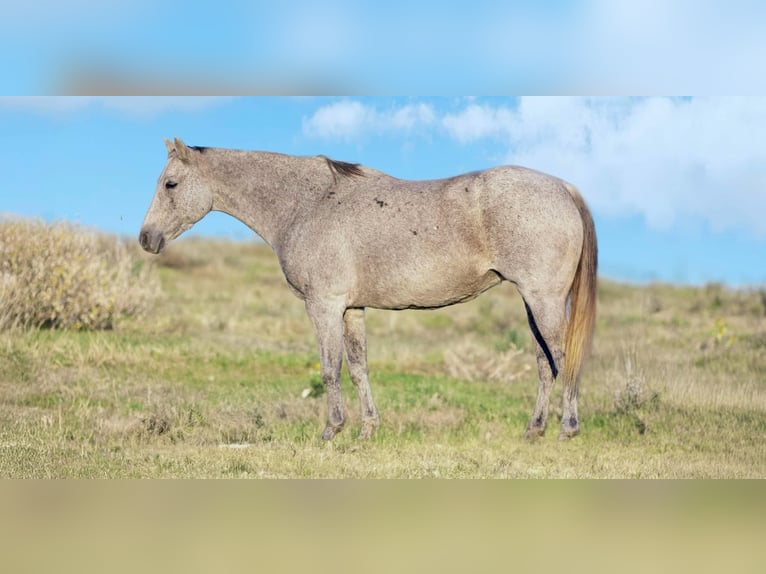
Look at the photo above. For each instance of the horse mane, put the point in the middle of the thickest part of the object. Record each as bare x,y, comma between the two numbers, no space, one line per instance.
199,148
343,168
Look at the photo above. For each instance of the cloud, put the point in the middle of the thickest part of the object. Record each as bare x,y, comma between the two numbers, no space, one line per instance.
669,160
478,122
666,159
350,119
133,105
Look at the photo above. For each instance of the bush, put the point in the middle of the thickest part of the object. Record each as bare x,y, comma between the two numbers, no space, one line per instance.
64,277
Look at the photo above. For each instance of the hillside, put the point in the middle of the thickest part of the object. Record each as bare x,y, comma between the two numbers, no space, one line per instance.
211,383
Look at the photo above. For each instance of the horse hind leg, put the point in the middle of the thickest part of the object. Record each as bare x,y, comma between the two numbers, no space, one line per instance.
547,319
570,422
355,342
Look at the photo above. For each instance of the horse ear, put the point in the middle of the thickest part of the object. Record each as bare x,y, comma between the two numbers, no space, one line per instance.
169,145
182,150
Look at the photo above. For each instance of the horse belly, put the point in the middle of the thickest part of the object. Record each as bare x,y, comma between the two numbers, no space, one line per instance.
423,286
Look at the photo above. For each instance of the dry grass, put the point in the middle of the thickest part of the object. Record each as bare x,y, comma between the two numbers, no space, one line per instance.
64,277
210,385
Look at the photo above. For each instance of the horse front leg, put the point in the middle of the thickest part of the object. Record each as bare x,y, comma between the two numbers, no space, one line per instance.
355,342
327,318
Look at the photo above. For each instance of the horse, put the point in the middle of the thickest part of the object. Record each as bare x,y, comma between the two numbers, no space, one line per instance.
349,237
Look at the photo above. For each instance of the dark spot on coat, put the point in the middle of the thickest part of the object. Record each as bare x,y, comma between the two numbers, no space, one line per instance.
381,203
467,190
572,422
414,232
539,419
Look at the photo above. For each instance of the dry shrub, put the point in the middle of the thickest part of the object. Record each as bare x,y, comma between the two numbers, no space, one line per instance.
634,393
65,277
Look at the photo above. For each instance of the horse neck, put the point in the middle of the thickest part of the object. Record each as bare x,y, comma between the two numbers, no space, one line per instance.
264,190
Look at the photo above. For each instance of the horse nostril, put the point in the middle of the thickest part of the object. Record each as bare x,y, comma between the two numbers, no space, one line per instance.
143,239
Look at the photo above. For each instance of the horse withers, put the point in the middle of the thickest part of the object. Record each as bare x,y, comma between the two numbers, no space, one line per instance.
349,237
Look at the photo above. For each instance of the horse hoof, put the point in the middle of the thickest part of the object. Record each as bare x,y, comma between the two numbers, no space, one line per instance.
330,431
568,434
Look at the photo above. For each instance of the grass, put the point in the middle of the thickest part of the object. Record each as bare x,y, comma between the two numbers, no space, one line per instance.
211,384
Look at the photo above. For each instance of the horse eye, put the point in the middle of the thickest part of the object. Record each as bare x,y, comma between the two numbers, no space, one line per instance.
170,185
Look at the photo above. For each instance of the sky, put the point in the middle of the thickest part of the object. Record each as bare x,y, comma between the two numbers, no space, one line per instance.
394,47
677,185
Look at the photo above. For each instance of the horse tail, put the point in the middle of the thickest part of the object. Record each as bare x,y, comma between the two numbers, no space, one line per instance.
582,316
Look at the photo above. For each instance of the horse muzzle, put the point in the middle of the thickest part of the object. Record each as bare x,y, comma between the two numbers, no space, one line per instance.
152,241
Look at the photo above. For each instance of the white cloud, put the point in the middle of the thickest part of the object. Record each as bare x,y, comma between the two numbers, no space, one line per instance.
342,120
350,119
478,122
409,117
666,159
134,105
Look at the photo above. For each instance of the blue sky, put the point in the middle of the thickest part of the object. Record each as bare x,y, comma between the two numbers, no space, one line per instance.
677,185
393,47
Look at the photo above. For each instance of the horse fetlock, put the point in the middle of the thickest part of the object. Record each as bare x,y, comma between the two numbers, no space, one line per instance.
570,427
538,423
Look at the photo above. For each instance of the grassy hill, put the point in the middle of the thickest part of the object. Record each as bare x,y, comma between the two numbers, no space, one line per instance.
211,383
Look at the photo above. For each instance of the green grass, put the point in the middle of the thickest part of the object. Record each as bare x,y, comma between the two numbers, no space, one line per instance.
210,384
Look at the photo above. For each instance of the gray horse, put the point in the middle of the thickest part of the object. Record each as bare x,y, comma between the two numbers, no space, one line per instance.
350,237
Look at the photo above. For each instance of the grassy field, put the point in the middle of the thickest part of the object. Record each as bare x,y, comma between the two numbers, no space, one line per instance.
212,384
